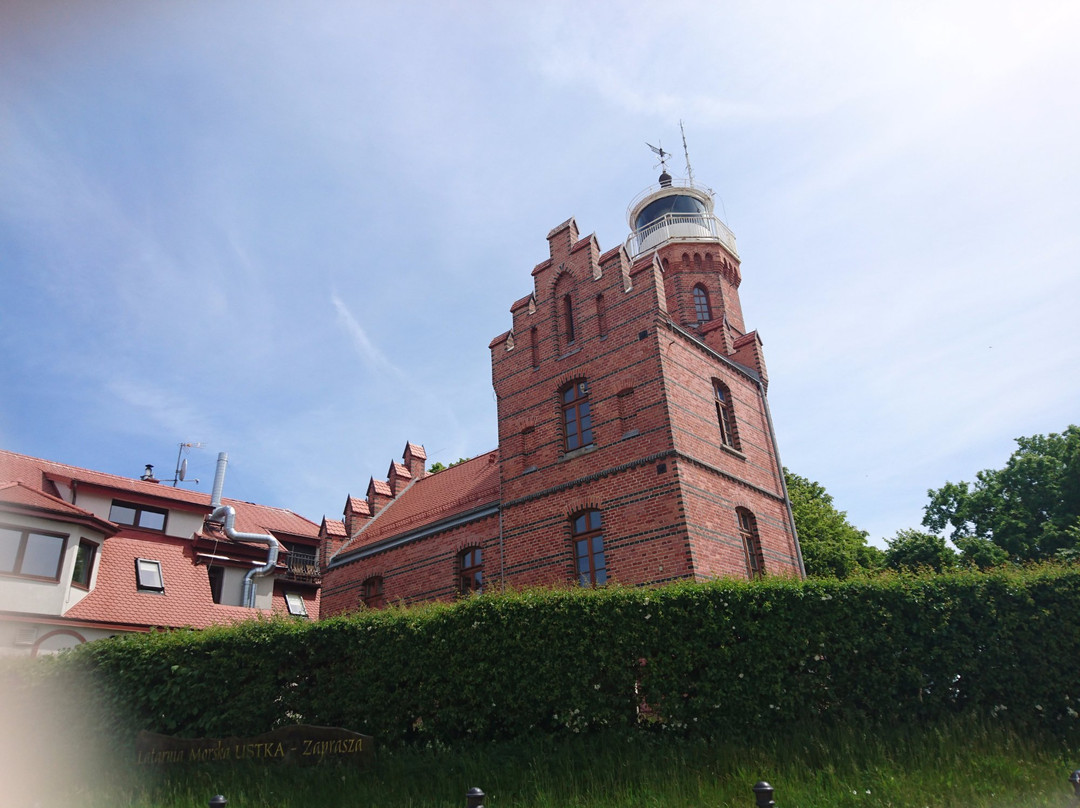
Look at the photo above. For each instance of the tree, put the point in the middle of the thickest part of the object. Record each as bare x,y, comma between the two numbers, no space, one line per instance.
438,466
832,547
915,550
1030,508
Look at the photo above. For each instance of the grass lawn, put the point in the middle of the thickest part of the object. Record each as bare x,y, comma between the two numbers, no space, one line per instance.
964,763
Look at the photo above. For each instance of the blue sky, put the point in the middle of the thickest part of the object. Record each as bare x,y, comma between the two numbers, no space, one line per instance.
289,231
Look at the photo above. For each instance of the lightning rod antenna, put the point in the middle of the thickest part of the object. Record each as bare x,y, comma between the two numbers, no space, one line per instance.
686,151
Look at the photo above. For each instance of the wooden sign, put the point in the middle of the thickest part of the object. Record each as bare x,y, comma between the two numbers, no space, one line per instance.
295,744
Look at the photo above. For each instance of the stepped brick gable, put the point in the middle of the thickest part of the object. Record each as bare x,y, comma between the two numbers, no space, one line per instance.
635,441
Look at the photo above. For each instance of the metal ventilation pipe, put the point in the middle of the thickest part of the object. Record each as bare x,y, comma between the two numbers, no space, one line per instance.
226,514
219,479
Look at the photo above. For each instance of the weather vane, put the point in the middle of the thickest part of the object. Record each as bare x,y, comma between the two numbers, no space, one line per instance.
663,155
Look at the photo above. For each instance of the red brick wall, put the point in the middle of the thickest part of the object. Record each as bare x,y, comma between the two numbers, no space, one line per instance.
666,485
425,569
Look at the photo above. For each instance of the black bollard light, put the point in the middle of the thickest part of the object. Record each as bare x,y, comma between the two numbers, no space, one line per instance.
218,801
763,793
474,798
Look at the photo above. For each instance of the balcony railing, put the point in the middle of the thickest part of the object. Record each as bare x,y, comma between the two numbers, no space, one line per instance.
680,226
302,567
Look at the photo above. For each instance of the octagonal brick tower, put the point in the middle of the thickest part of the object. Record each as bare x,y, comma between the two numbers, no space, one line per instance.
634,434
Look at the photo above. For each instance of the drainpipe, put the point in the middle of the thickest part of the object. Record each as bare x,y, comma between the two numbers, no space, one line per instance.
228,515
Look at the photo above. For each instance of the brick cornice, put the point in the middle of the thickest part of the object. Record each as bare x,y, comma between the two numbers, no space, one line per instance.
643,461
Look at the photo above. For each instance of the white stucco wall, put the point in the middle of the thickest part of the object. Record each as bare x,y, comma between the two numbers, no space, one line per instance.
23,638
33,596
181,524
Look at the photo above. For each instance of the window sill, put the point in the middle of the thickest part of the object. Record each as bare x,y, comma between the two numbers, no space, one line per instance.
568,354
578,452
41,579
630,433
731,450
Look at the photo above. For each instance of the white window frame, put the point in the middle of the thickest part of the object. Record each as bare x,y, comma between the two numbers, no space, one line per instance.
141,571
294,602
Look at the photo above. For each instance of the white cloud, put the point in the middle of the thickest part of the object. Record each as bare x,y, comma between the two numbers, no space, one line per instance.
365,348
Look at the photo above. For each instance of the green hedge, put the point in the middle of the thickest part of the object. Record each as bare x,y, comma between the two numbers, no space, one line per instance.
712,659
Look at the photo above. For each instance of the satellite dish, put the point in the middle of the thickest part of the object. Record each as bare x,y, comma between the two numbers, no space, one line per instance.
183,470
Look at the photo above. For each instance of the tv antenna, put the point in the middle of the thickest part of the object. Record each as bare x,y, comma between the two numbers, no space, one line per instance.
663,155
686,151
181,465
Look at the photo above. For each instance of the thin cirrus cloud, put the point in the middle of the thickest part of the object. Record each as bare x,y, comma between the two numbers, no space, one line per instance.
365,348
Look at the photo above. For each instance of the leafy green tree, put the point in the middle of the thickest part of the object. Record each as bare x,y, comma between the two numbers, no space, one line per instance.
832,547
437,466
981,553
1030,508
915,550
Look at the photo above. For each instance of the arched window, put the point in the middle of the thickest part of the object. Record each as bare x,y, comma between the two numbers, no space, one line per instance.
577,418
471,570
372,594
725,415
755,559
587,531
702,308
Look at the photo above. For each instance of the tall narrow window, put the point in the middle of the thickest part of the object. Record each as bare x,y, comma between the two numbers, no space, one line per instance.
627,410
755,559
587,532
84,564
528,447
216,575
568,318
372,594
577,418
601,316
702,308
725,415
471,571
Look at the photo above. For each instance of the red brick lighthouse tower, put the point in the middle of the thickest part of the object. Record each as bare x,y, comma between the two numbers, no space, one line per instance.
634,432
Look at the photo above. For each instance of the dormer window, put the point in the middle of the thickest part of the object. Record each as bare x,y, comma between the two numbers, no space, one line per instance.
148,576
141,516
294,602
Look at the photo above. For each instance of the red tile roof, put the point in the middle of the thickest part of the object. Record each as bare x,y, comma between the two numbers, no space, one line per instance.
26,484
186,600
19,497
250,517
438,496
334,527
358,505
